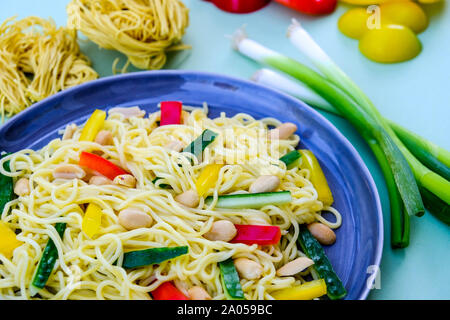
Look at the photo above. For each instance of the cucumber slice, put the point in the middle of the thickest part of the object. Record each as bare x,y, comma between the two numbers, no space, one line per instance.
230,280
251,200
48,260
312,248
140,258
291,159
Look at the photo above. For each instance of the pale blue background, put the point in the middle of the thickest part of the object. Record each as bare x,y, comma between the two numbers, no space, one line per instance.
415,94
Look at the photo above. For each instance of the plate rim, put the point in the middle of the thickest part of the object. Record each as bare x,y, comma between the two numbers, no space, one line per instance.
192,73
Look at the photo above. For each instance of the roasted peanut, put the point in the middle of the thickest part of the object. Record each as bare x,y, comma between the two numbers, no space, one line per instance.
295,266
222,230
248,269
265,184
322,233
128,112
104,137
68,171
133,218
22,188
283,131
126,180
69,131
189,198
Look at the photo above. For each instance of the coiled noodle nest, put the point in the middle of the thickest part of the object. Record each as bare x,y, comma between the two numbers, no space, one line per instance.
143,30
37,59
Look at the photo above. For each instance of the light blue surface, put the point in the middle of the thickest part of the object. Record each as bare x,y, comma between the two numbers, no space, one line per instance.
415,94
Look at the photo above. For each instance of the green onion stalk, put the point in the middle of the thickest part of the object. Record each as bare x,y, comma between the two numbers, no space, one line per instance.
379,136
424,176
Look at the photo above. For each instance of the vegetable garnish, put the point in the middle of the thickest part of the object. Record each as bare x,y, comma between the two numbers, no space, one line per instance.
101,165
167,291
93,125
170,112
291,159
254,234
208,178
140,258
47,262
305,291
92,220
198,145
251,200
312,248
8,240
230,280
431,155
6,186
317,177
315,7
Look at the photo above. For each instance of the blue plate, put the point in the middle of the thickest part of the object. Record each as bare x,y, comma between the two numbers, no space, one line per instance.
357,251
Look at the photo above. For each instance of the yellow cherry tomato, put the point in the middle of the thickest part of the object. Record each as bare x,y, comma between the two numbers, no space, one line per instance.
353,23
406,13
390,43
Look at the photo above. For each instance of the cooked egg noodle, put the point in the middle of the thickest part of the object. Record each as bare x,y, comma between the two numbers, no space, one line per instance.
91,268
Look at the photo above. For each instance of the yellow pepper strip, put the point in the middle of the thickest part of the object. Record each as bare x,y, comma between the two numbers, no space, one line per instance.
309,161
8,241
93,125
306,291
92,220
208,178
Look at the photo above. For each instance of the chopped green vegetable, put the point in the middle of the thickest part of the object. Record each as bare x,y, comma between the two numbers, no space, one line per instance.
48,260
251,200
437,207
198,145
291,159
140,258
425,151
230,280
6,186
312,248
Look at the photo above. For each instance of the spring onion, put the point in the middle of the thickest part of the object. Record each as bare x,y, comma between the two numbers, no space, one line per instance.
338,90
424,177
368,126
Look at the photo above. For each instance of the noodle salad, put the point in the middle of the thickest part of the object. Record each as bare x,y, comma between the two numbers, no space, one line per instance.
167,206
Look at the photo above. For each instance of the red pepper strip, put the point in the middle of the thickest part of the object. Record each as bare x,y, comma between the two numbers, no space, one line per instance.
240,6
170,112
101,165
252,234
167,291
310,6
